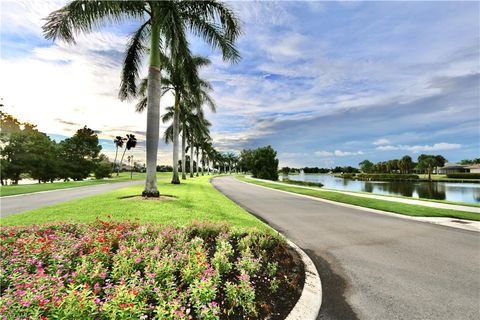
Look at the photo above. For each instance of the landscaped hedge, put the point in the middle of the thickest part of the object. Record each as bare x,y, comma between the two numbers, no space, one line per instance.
112,270
386,176
465,175
303,183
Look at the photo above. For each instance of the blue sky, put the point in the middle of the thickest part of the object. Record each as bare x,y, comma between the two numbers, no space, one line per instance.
324,83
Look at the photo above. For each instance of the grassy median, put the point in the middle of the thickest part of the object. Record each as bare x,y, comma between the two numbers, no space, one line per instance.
11,190
195,199
395,207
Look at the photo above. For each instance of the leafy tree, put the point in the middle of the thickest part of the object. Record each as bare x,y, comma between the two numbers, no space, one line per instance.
366,166
470,161
79,154
285,170
427,162
246,160
265,163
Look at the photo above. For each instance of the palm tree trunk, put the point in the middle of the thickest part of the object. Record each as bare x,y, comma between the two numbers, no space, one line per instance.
121,160
115,161
208,166
191,158
197,162
184,175
153,112
176,117
203,161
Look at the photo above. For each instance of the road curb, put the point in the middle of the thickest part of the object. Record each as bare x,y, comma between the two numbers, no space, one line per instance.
309,303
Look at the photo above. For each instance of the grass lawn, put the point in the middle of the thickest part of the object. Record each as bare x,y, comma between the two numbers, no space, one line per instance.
443,177
11,190
401,208
196,199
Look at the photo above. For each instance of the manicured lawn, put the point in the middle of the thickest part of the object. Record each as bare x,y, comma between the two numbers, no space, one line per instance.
196,199
401,208
11,190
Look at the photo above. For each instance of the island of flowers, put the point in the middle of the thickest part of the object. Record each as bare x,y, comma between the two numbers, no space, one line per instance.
118,270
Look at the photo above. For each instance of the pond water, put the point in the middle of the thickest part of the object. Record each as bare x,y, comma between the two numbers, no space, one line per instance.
459,192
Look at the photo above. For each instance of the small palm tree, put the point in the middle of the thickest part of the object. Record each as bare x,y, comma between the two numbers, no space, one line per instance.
131,143
118,141
161,23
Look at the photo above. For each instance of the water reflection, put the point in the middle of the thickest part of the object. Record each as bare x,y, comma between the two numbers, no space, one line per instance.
459,192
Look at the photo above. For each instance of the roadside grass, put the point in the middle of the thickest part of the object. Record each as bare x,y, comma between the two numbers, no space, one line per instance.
196,200
11,190
401,208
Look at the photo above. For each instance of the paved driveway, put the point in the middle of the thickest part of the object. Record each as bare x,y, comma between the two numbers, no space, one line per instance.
374,266
24,202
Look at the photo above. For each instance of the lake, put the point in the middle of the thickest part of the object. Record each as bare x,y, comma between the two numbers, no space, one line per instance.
458,192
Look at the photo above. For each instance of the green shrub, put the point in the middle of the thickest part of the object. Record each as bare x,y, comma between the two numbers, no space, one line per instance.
348,175
303,183
103,170
465,175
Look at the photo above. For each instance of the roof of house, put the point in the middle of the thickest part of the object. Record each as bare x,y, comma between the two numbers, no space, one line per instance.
473,166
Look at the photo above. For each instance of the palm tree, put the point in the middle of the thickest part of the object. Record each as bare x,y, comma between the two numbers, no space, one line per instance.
162,23
189,91
118,141
131,143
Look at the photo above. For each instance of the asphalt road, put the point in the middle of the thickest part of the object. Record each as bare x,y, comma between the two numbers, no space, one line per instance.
24,202
374,266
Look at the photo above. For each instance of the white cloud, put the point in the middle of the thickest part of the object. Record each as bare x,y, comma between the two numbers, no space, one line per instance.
442,146
340,153
381,142
323,153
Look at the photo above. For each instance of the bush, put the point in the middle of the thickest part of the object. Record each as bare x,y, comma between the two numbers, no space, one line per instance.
465,175
386,176
118,270
103,170
265,164
303,183
348,175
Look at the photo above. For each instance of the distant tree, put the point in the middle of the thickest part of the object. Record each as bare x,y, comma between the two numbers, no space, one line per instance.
103,169
79,153
119,142
366,166
439,162
246,160
405,164
265,163
470,162
285,170
131,143
427,162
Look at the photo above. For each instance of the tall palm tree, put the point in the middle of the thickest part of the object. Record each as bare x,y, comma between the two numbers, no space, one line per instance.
118,141
162,23
190,91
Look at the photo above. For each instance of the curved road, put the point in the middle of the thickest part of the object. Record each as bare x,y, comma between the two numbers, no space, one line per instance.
29,201
374,266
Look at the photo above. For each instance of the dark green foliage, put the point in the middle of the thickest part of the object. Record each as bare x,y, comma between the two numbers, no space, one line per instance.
316,170
285,170
386,176
366,166
265,163
468,161
347,169
79,154
162,168
464,175
103,168
303,183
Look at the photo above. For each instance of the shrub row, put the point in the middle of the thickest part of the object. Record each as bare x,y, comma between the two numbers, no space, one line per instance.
465,175
386,176
303,183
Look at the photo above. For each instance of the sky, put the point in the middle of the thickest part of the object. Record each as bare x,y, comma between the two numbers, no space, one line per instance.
323,83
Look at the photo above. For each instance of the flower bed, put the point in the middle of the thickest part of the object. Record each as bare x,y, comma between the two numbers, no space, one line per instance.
118,270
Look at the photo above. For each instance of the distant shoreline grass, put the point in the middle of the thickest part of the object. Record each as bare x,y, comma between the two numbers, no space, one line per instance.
389,206
11,190
196,200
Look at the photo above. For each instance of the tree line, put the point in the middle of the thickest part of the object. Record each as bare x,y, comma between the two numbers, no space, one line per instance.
25,150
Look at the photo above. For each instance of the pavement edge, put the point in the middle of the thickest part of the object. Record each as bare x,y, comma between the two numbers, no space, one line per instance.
309,303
